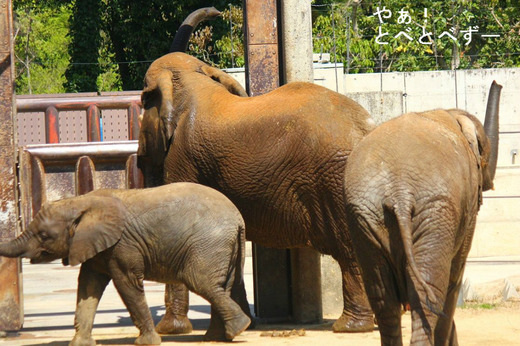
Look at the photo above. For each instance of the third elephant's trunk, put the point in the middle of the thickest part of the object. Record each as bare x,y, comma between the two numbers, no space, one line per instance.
180,41
491,126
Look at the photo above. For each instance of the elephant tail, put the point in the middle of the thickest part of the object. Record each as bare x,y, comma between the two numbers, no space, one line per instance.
403,214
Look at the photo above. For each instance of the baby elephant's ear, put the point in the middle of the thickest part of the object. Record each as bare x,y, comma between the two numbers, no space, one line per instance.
99,227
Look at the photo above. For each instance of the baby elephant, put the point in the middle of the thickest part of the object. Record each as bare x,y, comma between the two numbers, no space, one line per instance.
180,232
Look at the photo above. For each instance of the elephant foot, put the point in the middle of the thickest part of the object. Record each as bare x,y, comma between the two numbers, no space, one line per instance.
346,324
231,330
82,341
237,326
174,324
150,338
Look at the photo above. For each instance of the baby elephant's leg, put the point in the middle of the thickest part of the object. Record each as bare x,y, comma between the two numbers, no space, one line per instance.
91,285
131,290
227,317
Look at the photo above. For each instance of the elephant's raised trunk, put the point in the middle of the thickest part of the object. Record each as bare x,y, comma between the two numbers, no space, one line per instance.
491,126
180,41
16,247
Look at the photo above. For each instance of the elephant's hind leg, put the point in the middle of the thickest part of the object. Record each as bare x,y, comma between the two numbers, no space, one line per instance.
384,299
227,318
357,315
175,319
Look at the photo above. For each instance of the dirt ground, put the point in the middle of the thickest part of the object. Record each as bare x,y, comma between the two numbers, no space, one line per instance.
477,324
482,324
50,296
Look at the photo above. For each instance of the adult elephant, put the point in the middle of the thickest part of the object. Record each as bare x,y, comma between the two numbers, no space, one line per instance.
279,157
413,188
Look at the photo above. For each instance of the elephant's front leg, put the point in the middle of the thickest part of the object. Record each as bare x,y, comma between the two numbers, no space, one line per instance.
91,285
175,319
357,314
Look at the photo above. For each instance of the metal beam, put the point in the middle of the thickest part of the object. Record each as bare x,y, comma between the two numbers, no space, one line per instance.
271,267
296,32
11,311
287,283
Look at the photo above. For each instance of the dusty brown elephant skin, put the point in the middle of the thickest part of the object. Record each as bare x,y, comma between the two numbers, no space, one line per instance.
279,157
413,188
180,232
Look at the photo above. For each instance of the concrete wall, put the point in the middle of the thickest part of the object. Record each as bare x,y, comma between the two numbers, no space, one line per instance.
390,94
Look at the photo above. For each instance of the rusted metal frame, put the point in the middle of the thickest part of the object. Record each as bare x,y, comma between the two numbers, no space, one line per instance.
134,175
262,52
84,176
133,121
76,103
271,267
93,124
32,186
91,104
52,125
54,154
11,301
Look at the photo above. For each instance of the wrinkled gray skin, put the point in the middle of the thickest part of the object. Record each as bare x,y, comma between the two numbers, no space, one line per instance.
413,188
280,157
181,232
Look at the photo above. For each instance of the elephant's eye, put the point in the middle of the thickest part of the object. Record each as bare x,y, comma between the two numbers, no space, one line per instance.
43,235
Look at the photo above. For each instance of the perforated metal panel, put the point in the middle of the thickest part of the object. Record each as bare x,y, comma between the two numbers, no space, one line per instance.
73,126
115,124
30,128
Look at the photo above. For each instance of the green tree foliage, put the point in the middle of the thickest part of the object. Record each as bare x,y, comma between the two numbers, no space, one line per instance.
228,50
85,31
142,31
102,45
41,43
356,30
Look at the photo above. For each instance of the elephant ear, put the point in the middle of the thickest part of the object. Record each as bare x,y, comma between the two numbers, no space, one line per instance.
98,227
469,131
223,78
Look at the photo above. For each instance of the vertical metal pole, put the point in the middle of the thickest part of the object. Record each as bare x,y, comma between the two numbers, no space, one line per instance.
335,47
231,35
297,62
271,269
261,38
348,41
133,121
11,304
94,124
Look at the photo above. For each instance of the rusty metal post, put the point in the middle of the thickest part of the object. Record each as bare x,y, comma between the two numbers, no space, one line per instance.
11,304
261,37
93,124
133,121
296,31
84,176
134,175
52,125
271,267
